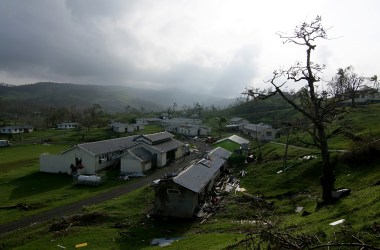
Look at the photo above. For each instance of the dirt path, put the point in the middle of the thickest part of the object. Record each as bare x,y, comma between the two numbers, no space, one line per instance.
124,189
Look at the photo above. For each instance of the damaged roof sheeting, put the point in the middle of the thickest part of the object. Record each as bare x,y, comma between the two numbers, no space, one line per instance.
105,146
197,176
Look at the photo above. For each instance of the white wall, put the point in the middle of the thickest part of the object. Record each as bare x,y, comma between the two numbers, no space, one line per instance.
61,162
130,164
55,163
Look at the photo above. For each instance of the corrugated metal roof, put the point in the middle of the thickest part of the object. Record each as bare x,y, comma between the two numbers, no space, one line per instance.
106,146
234,138
238,139
197,176
257,127
142,153
220,152
169,145
158,136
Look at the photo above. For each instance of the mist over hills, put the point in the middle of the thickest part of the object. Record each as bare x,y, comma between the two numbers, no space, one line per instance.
112,98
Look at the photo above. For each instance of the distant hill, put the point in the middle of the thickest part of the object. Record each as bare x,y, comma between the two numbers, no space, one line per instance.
272,110
112,98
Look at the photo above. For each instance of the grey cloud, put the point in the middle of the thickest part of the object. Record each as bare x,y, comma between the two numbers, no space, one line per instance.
59,41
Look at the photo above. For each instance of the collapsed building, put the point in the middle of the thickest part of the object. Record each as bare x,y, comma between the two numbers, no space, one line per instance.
182,194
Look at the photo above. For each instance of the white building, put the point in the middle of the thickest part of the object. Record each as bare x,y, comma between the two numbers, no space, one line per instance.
89,158
186,126
261,131
117,127
11,130
67,125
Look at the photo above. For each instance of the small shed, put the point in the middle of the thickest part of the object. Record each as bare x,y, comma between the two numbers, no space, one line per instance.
234,142
117,127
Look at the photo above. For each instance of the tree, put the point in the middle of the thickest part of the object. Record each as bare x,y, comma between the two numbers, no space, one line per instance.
221,121
311,103
348,85
92,115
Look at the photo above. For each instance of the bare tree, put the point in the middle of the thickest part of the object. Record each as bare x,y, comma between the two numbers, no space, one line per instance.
311,103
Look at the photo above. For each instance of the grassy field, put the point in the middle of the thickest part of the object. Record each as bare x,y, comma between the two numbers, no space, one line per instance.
22,183
273,192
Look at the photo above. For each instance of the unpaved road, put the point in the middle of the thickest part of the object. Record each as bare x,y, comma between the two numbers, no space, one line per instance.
124,189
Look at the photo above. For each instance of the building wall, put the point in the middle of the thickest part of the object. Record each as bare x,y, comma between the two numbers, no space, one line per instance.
130,164
173,200
62,162
7,130
179,153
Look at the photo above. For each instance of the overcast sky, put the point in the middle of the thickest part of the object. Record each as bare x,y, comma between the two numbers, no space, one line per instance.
218,47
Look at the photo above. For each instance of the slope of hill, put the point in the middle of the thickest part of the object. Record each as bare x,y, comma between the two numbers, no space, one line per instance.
112,98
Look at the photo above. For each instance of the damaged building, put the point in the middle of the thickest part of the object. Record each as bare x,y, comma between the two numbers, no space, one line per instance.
182,195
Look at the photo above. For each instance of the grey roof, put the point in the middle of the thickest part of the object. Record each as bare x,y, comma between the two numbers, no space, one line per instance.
197,176
220,152
235,138
106,146
117,124
257,127
168,145
238,139
158,136
142,153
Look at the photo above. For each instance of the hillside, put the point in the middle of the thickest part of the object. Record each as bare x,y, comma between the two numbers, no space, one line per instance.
271,110
265,213
112,98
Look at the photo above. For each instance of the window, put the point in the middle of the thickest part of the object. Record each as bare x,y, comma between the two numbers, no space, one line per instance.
269,133
173,191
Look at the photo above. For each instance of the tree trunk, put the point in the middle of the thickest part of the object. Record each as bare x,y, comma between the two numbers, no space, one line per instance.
327,179
353,103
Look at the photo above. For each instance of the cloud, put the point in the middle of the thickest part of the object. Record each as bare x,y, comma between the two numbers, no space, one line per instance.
218,47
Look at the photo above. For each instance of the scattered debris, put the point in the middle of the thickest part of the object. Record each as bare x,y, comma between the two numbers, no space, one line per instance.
340,193
60,246
337,222
21,206
243,173
64,223
307,157
279,172
81,245
298,209
250,158
246,221
163,242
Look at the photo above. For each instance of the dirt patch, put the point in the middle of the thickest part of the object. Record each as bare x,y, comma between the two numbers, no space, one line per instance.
82,219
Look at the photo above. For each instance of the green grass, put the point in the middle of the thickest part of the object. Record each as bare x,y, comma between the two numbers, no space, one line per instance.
297,185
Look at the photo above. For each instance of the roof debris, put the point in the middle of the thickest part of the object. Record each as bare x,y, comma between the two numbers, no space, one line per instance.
163,242
337,222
